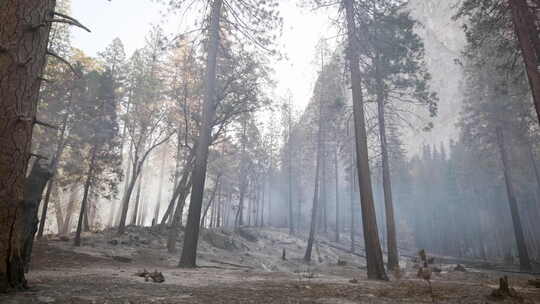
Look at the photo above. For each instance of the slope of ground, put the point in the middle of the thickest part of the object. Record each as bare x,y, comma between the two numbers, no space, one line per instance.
245,266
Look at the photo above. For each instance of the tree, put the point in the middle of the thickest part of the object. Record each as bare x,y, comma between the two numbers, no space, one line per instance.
396,75
249,18
371,236
22,59
148,121
515,24
97,130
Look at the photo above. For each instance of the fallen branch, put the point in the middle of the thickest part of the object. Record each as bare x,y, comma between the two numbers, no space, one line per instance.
231,264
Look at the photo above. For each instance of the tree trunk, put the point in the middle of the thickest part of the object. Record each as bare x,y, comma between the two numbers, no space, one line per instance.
189,251
211,200
53,168
374,257
160,190
87,184
57,207
337,194
127,195
69,210
529,41
136,210
393,255
315,207
524,260
289,159
176,219
33,189
24,35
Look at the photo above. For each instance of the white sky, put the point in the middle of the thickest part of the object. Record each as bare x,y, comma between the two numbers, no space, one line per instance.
130,20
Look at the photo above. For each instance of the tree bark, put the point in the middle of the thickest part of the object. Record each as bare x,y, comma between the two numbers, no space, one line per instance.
374,257
84,202
524,260
315,207
393,255
529,41
337,193
177,217
33,190
24,35
189,251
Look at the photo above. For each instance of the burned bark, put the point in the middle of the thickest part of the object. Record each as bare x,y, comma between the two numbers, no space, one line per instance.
24,35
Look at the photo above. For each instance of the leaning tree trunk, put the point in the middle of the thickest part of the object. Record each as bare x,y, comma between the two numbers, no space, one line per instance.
84,214
24,35
374,256
523,18
177,216
127,196
524,261
393,256
191,239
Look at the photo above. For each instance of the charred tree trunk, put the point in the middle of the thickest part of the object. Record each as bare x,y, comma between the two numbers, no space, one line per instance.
177,193
211,200
24,35
33,190
393,255
189,251
87,184
136,209
127,195
177,216
289,159
527,32
524,260
374,257
315,207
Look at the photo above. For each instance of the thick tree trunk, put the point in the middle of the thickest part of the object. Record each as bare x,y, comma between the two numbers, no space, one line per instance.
189,251
529,41
524,260
33,189
24,35
393,255
374,256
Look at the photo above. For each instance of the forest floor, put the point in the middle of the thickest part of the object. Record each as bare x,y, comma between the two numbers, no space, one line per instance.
240,267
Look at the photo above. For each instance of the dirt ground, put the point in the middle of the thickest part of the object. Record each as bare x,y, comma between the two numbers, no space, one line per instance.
248,269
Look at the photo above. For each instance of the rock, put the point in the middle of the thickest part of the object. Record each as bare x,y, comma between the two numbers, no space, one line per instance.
460,268
122,259
63,238
43,299
219,241
249,235
113,242
353,281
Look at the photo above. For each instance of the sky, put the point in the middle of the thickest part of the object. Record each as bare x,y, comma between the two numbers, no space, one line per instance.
130,20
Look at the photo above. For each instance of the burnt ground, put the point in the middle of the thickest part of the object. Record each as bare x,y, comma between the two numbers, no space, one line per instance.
102,271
